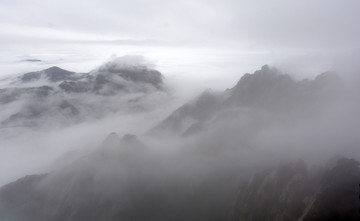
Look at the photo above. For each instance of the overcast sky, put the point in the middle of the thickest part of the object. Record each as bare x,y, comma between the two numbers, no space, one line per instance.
252,24
60,28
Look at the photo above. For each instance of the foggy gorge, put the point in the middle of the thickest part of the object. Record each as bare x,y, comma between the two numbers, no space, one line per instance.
157,110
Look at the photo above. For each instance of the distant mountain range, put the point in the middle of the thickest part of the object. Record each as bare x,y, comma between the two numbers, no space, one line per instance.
57,96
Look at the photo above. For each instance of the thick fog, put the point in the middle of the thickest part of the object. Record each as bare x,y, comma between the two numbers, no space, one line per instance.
318,134
139,142
157,110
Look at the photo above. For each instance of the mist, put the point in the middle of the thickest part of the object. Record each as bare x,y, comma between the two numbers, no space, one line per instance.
232,143
157,110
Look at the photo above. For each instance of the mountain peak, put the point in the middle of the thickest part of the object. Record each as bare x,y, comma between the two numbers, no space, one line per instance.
130,69
57,74
263,85
265,68
53,74
54,68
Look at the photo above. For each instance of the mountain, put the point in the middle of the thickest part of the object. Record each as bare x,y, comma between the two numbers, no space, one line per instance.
55,96
294,192
191,115
123,180
93,187
266,91
53,74
265,118
120,180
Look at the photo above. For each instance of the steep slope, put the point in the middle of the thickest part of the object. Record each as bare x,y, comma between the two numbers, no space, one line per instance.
266,91
121,180
293,192
84,190
190,116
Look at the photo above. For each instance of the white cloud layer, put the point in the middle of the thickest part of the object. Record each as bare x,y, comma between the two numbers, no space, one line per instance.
250,24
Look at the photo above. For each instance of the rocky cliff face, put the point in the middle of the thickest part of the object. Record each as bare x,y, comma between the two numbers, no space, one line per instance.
293,192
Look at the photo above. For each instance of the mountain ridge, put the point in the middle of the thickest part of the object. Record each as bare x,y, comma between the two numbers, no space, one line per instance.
45,95
266,89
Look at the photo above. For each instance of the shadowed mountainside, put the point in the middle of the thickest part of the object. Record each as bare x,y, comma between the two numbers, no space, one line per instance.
294,192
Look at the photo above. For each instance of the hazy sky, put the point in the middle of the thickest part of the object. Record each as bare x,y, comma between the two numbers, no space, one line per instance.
249,24
78,31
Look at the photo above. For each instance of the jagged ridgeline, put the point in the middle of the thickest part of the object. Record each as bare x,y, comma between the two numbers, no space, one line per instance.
209,149
120,180
265,92
57,96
